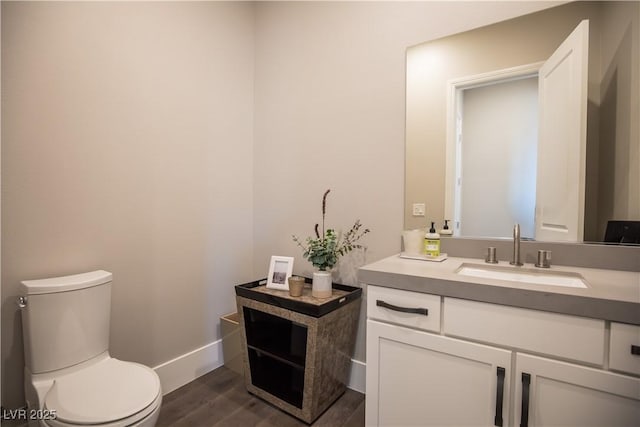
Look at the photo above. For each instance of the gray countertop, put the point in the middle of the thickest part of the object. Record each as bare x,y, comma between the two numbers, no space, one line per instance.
610,294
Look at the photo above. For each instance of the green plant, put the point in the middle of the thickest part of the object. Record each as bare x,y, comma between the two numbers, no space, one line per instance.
324,250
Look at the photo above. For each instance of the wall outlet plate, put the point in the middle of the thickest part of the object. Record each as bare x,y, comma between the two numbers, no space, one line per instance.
419,209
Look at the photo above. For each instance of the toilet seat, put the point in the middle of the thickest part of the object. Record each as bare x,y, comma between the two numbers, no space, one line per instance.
107,393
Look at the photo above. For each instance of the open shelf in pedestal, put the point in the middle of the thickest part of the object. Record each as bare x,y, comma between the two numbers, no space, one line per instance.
297,350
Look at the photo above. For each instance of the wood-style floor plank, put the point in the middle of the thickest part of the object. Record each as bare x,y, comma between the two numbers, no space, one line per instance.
220,399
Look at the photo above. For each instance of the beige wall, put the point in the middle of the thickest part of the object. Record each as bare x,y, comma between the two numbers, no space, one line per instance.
127,146
618,195
330,93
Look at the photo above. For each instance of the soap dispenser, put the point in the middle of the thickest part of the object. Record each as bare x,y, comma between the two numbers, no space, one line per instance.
446,231
432,242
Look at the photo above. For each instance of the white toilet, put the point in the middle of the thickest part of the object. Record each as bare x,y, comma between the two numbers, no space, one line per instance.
70,378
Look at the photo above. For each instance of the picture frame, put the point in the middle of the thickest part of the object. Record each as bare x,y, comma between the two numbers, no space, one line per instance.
280,269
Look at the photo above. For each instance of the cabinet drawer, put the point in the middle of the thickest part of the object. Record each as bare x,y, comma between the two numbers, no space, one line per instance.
569,337
624,353
412,309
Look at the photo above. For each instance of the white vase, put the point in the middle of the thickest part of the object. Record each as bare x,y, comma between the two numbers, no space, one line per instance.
321,286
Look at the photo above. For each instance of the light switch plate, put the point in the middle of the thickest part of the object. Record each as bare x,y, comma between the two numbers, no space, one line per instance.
419,209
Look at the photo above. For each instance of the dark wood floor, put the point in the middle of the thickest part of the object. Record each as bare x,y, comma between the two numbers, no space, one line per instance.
220,398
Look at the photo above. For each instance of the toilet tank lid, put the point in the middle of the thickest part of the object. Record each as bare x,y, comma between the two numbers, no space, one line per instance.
66,283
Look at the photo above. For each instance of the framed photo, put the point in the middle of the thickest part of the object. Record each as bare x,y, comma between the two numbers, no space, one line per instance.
280,269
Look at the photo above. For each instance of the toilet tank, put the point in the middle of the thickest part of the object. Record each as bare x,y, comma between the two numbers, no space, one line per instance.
65,320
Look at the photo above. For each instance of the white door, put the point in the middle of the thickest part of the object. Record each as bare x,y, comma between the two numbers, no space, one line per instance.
553,393
416,378
562,140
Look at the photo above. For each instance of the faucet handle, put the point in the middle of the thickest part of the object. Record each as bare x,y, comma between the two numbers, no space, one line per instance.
491,256
544,259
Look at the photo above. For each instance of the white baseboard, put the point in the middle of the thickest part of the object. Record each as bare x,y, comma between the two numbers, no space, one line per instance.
185,368
357,376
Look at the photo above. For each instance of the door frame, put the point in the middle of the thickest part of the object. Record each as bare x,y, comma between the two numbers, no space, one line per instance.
455,87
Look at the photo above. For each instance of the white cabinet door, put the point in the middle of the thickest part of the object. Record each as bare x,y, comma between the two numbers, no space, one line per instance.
552,393
416,378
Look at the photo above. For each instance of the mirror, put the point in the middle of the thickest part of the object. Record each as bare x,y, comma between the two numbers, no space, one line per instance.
612,177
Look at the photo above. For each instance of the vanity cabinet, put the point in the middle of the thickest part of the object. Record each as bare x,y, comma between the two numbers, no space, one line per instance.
415,378
624,352
555,393
488,364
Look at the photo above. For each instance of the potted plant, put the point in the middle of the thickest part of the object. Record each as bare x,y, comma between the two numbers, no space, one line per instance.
325,249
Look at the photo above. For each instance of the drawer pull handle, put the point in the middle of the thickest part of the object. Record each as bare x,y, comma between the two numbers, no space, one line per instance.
526,381
499,397
384,304
635,350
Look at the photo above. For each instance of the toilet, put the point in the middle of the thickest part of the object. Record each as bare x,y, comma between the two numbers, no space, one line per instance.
70,378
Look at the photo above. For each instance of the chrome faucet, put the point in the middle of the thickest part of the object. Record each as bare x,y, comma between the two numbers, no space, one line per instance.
515,260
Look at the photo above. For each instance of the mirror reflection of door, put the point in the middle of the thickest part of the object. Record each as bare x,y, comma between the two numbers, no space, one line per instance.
505,171
498,145
562,147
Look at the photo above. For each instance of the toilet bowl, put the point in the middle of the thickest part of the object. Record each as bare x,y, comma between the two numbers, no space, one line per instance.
101,392
70,377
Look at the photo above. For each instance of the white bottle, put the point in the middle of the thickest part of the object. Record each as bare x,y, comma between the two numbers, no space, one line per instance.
446,231
432,242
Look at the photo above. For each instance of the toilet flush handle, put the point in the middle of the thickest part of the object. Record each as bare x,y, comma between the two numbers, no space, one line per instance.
22,301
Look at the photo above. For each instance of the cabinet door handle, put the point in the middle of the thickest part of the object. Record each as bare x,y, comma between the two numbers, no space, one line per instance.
635,350
499,397
524,418
381,303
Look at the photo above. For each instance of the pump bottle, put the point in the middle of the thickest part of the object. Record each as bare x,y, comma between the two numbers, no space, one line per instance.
446,231
432,242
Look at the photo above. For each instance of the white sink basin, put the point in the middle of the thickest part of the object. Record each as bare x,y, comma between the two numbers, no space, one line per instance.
536,276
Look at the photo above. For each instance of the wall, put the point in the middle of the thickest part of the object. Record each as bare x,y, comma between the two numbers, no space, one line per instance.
329,108
127,146
618,195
